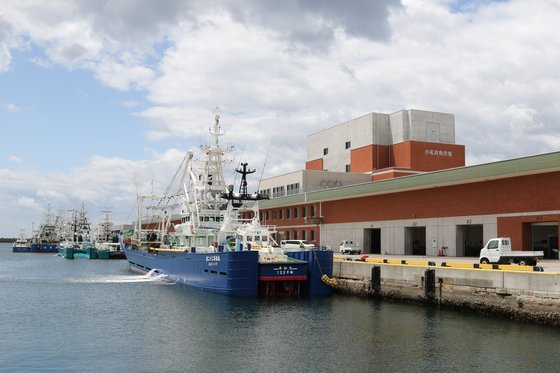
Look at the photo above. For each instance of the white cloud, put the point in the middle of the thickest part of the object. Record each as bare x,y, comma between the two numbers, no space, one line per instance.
283,70
15,159
130,104
29,203
6,42
5,57
116,181
12,108
123,76
42,62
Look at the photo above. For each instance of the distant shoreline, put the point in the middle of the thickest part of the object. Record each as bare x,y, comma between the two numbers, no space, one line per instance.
2,239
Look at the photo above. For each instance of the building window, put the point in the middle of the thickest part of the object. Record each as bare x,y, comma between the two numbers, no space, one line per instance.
265,192
287,235
303,212
292,189
280,214
278,192
295,235
313,235
267,215
325,151
313,210
347,145
347,168
296,213
274,215
287,213
304,235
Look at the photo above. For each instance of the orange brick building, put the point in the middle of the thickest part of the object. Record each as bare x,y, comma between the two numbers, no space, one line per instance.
441,206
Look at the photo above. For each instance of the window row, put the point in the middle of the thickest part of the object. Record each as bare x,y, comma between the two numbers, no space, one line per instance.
282,191
288,213
295,234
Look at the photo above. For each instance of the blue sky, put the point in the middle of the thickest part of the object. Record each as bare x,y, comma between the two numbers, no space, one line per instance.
63,117
100,99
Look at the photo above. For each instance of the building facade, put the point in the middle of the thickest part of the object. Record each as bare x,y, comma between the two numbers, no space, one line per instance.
385,146
452,210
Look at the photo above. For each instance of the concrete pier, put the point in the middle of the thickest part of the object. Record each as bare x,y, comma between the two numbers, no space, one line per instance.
519,293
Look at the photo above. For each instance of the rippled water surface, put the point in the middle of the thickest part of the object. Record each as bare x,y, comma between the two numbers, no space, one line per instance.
93,315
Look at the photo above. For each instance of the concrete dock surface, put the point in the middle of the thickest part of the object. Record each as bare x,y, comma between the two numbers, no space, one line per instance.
548,265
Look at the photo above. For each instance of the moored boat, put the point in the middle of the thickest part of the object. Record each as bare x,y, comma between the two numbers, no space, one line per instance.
211,247
22,244
106,240
76,236
109,250
47,236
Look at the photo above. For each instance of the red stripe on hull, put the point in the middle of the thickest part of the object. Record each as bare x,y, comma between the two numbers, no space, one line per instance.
282,278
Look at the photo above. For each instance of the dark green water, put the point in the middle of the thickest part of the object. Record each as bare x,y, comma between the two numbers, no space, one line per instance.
59,315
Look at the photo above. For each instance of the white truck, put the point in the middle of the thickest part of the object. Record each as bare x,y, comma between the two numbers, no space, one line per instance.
348,247
498,250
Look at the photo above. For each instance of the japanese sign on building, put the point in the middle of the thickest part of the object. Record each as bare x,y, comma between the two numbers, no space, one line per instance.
439,153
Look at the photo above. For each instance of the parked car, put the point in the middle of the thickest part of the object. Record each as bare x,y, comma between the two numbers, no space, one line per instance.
498,250
348,247
296,245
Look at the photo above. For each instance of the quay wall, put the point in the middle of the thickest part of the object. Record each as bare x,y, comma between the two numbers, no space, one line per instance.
520,295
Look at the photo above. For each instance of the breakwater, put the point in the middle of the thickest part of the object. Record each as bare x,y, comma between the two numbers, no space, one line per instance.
518,293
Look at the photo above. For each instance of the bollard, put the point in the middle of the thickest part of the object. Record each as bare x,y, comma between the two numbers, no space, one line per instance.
430,283
376,279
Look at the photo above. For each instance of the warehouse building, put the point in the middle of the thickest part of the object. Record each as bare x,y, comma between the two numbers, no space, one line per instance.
412,193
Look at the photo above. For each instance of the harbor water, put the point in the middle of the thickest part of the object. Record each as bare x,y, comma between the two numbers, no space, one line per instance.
60,315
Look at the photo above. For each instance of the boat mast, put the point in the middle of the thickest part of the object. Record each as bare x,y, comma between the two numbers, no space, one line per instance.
212,178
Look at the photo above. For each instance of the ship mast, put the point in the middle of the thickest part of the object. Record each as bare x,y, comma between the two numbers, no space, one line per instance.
212,177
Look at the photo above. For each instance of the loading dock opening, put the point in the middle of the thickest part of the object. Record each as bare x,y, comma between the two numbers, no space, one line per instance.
415,240
372,241
544,236
470,239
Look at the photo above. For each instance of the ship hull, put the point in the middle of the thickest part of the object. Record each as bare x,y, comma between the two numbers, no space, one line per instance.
21,249
320,262
229,273
238,273
44,248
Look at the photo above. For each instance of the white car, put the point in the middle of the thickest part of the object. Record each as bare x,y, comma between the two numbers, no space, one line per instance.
348,247
296,245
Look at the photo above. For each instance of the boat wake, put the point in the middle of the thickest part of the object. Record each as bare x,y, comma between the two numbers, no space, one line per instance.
151,276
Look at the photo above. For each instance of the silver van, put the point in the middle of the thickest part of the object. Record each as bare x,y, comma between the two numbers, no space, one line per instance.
296,245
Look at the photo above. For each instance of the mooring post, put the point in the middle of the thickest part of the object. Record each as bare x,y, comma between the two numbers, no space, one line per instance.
430,284
376,279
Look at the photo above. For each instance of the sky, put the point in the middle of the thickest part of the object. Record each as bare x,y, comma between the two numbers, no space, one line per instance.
100,100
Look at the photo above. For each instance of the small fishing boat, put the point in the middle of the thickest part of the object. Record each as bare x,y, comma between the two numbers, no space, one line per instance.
22,244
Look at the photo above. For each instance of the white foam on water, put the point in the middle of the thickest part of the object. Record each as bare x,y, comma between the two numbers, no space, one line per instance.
151,273
151,276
